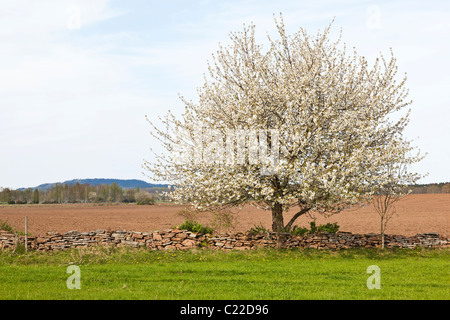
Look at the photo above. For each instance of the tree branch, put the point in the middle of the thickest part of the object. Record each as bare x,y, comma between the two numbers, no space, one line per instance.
298,214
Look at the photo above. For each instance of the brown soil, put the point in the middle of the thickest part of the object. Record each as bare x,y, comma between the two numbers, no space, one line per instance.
415,214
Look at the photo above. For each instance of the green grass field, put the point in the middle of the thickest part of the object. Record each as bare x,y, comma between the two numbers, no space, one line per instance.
265,274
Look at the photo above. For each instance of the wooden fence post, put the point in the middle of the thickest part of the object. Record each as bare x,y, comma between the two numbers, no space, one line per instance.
26,233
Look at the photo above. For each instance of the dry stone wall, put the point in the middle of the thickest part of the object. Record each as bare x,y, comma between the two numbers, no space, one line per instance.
174,239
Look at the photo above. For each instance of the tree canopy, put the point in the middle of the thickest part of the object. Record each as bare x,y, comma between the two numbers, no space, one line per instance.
299,123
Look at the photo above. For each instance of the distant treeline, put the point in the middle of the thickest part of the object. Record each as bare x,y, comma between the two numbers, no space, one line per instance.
443,187
85,193
82,193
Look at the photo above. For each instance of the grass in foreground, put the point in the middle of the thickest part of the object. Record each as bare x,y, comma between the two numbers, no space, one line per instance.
265,274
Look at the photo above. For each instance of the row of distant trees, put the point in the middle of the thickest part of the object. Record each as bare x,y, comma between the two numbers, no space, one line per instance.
85,193
81,193
443,187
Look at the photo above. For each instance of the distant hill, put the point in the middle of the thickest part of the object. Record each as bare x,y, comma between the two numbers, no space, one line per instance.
123,183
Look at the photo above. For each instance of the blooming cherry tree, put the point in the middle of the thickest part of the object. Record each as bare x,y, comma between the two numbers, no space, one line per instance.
325,113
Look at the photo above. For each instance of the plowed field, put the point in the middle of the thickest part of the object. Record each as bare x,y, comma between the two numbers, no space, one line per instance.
415,214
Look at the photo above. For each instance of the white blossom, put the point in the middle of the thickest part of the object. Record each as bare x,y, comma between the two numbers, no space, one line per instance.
330,112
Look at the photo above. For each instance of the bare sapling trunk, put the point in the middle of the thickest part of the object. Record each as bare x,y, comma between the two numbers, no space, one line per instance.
384,206
382,228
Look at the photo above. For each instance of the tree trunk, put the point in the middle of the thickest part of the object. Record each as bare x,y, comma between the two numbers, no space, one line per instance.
277,218
278,224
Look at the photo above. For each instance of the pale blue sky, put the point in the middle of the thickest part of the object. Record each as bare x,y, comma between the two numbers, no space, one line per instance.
78,77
